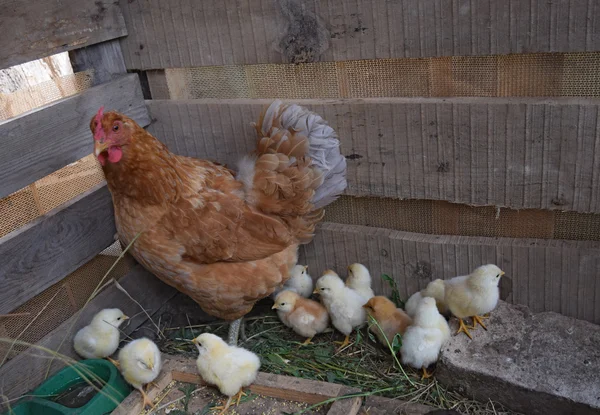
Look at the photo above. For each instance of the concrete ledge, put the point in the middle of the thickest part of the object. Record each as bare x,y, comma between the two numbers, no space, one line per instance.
542,363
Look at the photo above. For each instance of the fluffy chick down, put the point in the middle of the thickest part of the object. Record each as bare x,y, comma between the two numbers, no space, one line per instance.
229,368
306,317
140,362
300,282
359,279
345,306
474,294
423,340
392,320
100,338
435,289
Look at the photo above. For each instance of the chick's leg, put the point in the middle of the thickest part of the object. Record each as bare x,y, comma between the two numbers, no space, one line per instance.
462,327
307,341
114,362
345,343
146,400
478,320
426,375
225,407
234,332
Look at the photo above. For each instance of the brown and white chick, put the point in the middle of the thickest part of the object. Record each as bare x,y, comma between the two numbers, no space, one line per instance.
392,320
473,295
423,340
140,362
359,279
100,338
229,368
300,281
435,289
306,317
343,304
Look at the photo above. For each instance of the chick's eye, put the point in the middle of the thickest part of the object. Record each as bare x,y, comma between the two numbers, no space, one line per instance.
119,318
322,289
282,304
116,127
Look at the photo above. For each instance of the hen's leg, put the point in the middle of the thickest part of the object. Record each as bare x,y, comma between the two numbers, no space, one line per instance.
234,332
243,330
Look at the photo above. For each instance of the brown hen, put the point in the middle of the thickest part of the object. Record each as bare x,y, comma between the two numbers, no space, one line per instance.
225,239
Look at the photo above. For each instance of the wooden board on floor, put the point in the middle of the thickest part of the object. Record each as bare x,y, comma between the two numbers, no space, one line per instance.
266,385
28,369
545,275
42,141
511,152
215,32
33,30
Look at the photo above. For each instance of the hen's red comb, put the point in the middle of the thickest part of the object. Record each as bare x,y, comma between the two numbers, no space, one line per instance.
99,133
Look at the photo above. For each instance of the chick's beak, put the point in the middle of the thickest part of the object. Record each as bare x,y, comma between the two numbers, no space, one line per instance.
99,147
316,291
274,307
305,267
125,317
195,341
502,273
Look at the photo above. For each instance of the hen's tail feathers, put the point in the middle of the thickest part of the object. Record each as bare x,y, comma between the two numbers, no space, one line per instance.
291,134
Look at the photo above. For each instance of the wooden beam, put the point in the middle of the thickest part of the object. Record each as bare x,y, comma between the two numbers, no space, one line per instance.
216,32
46,250
32,30
545,275
106,59
27,370
40,142
513,152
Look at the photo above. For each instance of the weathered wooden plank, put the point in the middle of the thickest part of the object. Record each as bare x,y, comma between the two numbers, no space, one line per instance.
27,370
106,59
40,142
44,251
32,30
513,152
532,265
182,34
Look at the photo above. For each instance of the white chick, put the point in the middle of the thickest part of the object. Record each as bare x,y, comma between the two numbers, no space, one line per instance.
100,338
435,289
230,368
345,306
140,362
306,317
359,279
300,282
423,340
473,295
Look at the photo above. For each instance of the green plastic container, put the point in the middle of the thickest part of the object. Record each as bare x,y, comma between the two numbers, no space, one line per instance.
68,393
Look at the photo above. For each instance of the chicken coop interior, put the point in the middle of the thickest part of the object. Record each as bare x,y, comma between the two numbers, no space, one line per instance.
471,135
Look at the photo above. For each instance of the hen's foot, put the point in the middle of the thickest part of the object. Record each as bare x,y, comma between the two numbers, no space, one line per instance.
462,327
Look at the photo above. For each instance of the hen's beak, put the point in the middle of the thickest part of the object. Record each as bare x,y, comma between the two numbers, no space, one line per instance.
99,147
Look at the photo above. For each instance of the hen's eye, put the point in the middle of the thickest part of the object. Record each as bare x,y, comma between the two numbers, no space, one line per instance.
116,127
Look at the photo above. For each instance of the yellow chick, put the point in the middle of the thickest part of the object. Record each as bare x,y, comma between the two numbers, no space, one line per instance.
230,368
343,304
140,362
435,289
473,295
392,320
300,281
423,340
306,317
100,338
359,279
